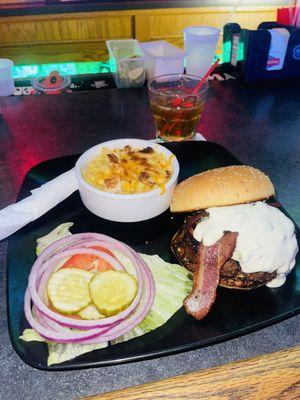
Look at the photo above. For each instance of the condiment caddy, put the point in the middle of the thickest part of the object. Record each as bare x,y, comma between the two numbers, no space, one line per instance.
272,51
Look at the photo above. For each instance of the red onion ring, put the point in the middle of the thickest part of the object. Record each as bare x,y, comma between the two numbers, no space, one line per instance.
52,326
67,321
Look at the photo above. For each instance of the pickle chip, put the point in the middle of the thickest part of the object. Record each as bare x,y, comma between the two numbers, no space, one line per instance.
68,290
90,312
112,291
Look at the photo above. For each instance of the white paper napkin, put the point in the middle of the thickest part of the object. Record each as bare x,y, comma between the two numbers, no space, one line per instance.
41,200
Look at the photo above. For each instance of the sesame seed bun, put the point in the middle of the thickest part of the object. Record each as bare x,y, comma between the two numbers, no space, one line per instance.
236,184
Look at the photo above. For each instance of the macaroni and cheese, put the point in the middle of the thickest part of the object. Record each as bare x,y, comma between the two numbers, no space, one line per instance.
129,170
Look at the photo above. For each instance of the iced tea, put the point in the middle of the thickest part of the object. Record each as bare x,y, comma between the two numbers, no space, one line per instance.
176,109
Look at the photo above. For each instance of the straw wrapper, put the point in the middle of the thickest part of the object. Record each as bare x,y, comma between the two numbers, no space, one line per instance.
42,199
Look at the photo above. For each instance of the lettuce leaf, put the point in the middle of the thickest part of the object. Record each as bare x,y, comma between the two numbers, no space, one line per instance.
61,231
60,352
172,284
30,335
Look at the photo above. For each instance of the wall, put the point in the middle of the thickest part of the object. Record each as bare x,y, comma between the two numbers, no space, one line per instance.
81,36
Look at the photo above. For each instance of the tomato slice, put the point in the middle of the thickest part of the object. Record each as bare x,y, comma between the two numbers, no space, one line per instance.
89,262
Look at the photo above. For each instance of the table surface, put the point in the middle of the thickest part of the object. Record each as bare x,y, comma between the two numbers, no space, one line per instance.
260,124
257,378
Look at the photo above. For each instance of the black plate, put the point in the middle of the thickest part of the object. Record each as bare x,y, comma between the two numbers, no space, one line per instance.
233,314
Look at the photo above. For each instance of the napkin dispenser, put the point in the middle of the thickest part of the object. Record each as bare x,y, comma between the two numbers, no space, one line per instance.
270,52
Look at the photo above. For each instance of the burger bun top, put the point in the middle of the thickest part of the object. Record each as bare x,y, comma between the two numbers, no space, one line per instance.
236,184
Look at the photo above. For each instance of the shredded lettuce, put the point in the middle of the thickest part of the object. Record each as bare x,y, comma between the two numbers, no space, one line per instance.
172,284
60,232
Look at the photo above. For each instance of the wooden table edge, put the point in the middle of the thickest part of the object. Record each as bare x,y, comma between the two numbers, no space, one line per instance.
265,377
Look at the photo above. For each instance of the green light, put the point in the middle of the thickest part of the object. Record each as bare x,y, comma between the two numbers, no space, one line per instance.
226,51
112,64
74,68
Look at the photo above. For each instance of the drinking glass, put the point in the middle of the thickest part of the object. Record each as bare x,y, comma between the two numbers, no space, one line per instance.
200,43
176,107
7,86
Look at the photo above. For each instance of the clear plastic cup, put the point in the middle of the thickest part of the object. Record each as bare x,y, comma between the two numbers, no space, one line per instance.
176,107
200,43
7,86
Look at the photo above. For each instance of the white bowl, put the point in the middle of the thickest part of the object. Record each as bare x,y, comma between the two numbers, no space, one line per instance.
125,207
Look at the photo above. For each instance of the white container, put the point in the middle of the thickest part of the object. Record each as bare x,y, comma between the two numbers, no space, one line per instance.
127,63
278,47
125,207
7,86
162,58
200,43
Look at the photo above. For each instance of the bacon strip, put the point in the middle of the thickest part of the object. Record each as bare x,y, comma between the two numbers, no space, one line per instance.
207,274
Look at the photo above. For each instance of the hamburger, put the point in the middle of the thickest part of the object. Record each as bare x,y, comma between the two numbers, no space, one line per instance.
235,237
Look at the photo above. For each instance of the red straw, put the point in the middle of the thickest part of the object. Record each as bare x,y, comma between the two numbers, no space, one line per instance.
209,71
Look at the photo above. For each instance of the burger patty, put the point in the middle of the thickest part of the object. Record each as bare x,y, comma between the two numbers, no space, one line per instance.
186,248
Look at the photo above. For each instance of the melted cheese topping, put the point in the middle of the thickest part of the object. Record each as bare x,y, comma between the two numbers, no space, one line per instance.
266,237
129,170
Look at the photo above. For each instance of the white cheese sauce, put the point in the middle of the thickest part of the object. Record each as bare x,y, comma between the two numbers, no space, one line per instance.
266,239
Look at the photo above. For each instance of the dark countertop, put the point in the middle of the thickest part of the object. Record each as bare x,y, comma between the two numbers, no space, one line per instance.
260,124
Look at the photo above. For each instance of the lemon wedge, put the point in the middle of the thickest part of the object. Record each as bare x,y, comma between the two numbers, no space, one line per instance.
112,291
135,73
68,290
